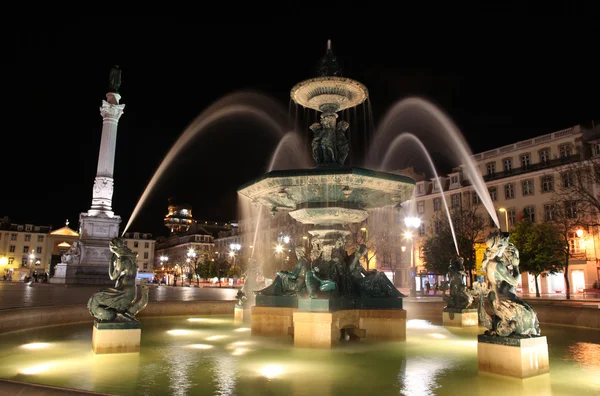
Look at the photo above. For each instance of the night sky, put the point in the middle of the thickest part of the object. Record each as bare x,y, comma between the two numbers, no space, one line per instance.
499,87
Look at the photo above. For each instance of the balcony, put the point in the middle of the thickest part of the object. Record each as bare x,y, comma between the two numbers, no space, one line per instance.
532,168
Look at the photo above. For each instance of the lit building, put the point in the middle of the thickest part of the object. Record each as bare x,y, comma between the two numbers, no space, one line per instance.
179,219
521,178
60,241
142,245
24,249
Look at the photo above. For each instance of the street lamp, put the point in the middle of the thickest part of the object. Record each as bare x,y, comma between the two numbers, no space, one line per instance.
412,222
503,210
163,259
234,247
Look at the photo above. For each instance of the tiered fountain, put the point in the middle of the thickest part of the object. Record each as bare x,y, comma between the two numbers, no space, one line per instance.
331,296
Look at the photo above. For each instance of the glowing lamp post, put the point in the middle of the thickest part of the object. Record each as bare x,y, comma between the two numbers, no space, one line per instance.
233,248
412,222
503,210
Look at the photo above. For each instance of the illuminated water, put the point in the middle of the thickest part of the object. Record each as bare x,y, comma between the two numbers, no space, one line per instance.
210,356
402,138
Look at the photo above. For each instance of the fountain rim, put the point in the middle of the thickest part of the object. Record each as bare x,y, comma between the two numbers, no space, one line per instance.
305,85
326,171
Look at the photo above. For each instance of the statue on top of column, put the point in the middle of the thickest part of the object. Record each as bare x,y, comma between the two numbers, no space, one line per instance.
114,79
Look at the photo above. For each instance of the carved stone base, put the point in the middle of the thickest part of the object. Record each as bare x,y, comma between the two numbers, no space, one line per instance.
241,315
272,321
116,337
513,357
383,324
460,317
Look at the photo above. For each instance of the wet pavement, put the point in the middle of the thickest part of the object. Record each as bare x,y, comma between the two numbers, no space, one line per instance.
19,294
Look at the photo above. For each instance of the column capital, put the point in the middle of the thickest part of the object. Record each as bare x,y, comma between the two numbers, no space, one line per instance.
111,111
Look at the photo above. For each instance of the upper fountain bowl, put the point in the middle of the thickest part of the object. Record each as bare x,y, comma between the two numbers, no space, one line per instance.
329,93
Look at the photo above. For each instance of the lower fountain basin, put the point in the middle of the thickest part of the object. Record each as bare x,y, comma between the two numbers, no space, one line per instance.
210,355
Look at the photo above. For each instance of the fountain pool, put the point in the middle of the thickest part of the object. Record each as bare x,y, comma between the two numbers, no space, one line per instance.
211,356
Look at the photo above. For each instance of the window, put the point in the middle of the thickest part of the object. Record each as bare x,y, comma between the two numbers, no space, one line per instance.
135,244
11,249
455,200
544,155
27,237
567,180
596,148
491,168
547,183
24,262
476,199
422,229
493,194
40,238
527,187
146,245
437,204
525,160
28,227
11,260
454,180
571,209
565,150
145,266
420,207
38,250
512,217
549,212
507,164
436,185
25,249
529,213
146,255
436,227
13,237
420,189
509,191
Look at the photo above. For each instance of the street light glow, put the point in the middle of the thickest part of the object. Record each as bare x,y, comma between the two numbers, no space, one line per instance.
501,210
286,239
279,249
413,222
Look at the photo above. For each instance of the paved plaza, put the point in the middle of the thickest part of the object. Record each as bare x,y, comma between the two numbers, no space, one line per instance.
19,294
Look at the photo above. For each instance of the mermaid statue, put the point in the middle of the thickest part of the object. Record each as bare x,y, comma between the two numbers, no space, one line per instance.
119,303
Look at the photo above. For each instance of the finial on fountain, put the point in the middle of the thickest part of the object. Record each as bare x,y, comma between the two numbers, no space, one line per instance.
329,45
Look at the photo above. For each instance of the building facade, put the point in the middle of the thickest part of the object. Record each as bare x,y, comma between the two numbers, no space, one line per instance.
522,179
143,245
24,249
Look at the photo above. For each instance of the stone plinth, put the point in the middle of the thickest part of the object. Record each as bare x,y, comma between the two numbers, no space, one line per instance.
383,324
460,317
325,304
241,314
514,357
276,301
116,337
272,321
324,329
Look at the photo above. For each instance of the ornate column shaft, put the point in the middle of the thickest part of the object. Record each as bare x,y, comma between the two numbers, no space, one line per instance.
111,111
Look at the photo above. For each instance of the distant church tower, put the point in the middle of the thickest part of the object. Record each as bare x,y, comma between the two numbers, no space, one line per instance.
99,224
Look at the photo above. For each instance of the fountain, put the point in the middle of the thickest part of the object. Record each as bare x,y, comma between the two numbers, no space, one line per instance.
332,295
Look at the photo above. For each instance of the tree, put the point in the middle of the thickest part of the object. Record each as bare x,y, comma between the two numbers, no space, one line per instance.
439,248
377,236
541,249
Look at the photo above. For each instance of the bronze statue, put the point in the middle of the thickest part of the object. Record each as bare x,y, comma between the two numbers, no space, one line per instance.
459,297
119,303
330,145
510,315
371,283
288,283
114,79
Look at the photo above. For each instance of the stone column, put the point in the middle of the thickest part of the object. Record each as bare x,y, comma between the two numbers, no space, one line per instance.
111,111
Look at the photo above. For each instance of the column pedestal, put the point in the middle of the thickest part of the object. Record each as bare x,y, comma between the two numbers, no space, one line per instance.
116,337
513,357
460,317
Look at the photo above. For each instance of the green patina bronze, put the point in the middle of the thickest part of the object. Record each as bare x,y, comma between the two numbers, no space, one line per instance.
120,303
510,316
459,297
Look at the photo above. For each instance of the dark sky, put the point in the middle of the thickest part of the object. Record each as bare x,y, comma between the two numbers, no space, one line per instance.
499,87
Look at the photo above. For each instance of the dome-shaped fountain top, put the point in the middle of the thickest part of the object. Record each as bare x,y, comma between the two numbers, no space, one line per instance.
329,92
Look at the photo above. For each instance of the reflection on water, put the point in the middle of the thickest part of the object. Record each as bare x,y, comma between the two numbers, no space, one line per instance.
211,356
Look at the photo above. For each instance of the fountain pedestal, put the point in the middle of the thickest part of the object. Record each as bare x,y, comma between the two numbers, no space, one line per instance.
460,317
116,337
513,357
